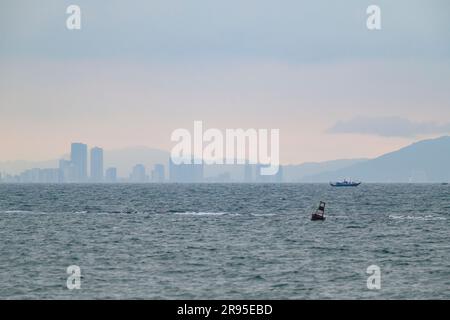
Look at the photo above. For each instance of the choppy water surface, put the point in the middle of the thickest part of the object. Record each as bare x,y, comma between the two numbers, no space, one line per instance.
214,241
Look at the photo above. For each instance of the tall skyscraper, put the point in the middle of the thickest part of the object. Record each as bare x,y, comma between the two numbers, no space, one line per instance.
49,175
78,156
158,173
96,164
66,171
187,173
138,174
111,175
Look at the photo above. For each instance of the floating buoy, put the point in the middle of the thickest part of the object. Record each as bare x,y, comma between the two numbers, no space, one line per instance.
319,213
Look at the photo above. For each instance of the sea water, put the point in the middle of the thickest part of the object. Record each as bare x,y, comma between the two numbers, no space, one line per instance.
224,241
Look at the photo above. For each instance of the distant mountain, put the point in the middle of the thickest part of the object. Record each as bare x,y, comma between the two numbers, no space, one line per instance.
291,173
297,173
424,161
18,166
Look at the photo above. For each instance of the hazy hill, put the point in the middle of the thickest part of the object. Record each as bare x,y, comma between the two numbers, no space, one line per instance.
18,166
424,161
297,173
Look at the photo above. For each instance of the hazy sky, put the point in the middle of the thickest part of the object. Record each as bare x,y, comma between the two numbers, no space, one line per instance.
137,70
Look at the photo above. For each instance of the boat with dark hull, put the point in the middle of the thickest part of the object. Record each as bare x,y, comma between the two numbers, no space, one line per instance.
345,183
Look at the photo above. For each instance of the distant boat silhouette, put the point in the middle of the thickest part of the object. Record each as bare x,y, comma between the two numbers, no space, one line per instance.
345,183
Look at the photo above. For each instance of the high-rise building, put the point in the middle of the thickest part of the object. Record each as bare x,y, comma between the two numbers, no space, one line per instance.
158,173
96,164
30,176
248,176
78,157
187,173
49,175
66,171
138,174
111,175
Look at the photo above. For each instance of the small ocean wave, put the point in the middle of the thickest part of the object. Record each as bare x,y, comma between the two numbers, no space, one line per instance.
262,214
44,212
193,213
423,218
22,211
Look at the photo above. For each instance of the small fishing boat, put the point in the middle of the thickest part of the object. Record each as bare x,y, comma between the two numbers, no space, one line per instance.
345,183
319,213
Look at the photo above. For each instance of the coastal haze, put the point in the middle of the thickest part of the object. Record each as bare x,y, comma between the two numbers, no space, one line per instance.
425,161
87,177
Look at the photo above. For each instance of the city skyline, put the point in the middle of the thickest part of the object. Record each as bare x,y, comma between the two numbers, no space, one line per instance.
76,170
424,161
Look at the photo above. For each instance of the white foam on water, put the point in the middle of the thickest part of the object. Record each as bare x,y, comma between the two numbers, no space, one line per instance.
422,218
22,211
193,213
